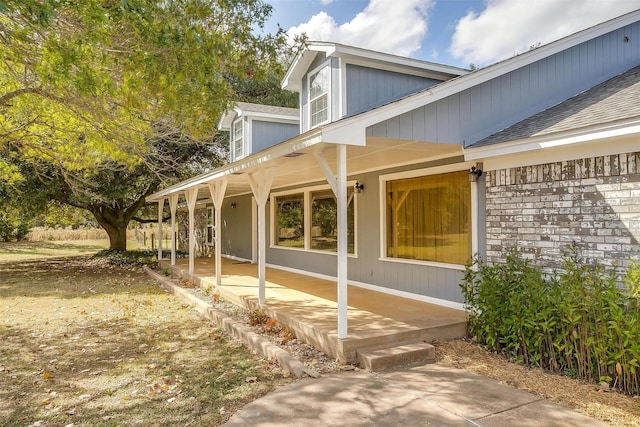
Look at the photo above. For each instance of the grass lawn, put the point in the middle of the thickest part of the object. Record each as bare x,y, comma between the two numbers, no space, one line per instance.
86,343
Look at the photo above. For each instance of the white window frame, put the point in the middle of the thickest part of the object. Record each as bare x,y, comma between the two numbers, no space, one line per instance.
234,138
211,228
383,211
306,191
326,64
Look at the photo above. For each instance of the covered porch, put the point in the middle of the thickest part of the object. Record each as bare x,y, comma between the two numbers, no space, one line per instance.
308,306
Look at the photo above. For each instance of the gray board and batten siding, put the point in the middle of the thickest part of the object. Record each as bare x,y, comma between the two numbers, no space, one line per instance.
236,227
475,113
369,87
265,134
425,280
366,88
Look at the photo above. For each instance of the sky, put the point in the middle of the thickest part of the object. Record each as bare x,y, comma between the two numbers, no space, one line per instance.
451,32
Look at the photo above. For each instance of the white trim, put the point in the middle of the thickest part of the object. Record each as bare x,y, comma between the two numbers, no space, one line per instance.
254,230
570,137
435,170
620,145
342,83
445,265
415,173
301,62
234,153
257,159
375,288
210,210
307,220
235,258
406,69
316,70
351,130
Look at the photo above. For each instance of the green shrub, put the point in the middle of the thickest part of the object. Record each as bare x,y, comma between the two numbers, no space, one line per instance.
578,321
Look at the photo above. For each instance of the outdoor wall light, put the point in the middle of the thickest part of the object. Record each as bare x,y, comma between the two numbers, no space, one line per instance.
358,188
474,174
233,205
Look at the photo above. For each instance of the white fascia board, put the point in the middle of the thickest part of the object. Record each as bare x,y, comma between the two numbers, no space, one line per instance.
443,90
273,117
228,118
300,65
394,62
298,143
574,136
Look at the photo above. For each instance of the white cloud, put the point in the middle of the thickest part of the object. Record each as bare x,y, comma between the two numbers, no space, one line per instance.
508,27
396,27
326,2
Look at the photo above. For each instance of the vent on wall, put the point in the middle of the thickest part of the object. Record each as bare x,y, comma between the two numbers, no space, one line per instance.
293,155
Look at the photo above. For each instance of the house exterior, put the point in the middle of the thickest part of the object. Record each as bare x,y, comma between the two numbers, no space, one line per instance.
255,127
403,169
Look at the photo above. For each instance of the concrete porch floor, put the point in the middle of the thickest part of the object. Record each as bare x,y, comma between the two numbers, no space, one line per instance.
308,306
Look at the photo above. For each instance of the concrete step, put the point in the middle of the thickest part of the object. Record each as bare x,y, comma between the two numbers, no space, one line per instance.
385,358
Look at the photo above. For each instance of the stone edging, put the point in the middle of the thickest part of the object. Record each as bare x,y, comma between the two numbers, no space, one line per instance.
253,341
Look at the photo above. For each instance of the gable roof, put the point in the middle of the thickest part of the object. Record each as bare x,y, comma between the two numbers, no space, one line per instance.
615,99
300,64
352,130
257,110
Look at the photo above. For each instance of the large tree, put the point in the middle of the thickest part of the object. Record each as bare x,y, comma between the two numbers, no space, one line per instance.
103,101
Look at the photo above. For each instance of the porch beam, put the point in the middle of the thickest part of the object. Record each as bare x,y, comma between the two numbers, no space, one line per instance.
160,209
192,197
338,183
173,206
261,182
217,190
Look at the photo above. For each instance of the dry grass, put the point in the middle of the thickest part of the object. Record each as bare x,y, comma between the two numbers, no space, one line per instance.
614,408
90,344
44,234
26,250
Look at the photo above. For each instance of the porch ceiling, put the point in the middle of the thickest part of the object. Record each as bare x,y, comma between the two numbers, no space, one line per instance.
296,165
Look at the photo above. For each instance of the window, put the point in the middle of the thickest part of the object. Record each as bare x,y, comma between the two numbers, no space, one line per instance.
428,218
210,225
237,140
307,219
290,220
324,221
319,85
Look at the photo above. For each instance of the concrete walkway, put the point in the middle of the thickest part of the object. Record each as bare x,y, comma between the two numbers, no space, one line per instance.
419,396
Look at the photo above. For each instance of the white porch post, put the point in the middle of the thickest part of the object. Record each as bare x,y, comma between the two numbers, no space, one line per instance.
160,209
261,186
338,183
217,190
173,205
192,197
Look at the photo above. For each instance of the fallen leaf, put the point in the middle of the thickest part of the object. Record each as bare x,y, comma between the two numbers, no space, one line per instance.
46,375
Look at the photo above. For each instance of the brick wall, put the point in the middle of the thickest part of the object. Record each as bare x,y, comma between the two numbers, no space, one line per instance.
542,209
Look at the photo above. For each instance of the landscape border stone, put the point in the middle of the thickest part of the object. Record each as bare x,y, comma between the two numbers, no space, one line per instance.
252,340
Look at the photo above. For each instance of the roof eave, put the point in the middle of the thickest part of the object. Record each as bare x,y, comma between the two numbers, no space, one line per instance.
290,146
570,137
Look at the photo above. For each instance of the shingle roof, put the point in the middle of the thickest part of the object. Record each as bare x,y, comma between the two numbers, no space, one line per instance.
615,99
270,109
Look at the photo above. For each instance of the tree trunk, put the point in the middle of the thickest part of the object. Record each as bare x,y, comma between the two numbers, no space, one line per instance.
114,223
117,238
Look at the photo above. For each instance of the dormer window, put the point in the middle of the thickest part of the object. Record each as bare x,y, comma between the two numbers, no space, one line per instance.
238,140
319,85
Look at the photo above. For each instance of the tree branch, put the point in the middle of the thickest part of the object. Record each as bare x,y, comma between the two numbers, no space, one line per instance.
4,99
149,221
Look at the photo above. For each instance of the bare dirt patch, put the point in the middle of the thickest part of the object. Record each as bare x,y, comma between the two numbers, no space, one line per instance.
589,399
92,344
